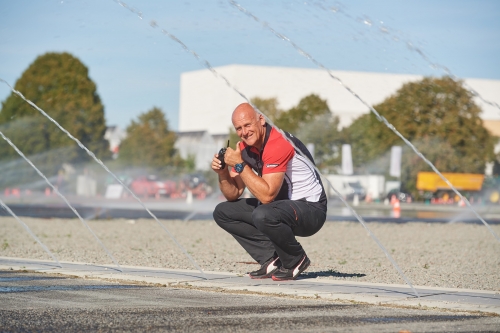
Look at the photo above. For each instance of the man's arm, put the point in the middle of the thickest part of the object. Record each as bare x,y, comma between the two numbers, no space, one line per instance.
265,189
231,187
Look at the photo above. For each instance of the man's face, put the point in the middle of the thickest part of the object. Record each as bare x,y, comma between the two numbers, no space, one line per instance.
249,127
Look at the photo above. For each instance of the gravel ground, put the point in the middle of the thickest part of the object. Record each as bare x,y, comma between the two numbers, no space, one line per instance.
436,255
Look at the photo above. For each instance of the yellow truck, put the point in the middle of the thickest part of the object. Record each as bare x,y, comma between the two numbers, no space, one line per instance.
463,182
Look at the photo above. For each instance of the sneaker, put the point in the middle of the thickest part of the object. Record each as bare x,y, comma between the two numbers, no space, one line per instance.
266,269
291,273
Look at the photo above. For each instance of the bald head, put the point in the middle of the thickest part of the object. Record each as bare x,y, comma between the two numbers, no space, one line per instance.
249,125
244,111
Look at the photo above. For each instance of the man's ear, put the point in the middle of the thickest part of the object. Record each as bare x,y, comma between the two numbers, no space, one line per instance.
262,120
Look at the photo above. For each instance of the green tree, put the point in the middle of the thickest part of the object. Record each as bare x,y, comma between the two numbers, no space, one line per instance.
439,116
233,138
269,107
149,142
312,122
324,134
59,84
308,109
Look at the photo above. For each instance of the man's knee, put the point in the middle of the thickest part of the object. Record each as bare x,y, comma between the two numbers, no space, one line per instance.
219,214
264,217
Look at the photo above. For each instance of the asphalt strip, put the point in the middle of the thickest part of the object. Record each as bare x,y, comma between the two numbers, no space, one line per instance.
346,291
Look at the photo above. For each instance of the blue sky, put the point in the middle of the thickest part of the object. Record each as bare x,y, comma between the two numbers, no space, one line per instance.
137,67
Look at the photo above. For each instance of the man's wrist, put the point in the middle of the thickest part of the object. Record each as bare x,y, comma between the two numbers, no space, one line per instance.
224,175
239,167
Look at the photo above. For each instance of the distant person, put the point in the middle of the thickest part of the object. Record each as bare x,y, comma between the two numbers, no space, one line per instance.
289,197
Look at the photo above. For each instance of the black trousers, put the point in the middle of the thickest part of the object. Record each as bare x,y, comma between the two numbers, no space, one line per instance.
269,229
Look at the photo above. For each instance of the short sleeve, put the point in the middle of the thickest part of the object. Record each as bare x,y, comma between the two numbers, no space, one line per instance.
277,154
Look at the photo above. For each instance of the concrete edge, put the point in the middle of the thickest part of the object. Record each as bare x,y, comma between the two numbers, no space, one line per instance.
323,281
269,290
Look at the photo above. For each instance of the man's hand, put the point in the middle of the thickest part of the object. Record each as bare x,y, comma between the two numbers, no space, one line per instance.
217,165
230,183
232,156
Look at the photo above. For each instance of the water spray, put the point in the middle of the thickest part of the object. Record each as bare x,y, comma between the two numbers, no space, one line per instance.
190,216
30,232
62,197
194,212
105,168
371,108
411,47
207,65
450,74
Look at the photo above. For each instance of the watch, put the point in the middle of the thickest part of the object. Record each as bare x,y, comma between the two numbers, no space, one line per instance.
240,166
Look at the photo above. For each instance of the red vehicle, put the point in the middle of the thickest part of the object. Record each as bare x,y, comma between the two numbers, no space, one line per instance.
150,186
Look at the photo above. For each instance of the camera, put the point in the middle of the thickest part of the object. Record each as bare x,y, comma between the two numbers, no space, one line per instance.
221,154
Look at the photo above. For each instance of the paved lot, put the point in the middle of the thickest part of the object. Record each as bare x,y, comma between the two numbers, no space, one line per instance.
46,302
305,286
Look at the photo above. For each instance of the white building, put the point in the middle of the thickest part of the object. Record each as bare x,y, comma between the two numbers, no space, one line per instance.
201,145
206,101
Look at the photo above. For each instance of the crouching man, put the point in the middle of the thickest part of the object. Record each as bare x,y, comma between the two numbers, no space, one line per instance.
289,196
